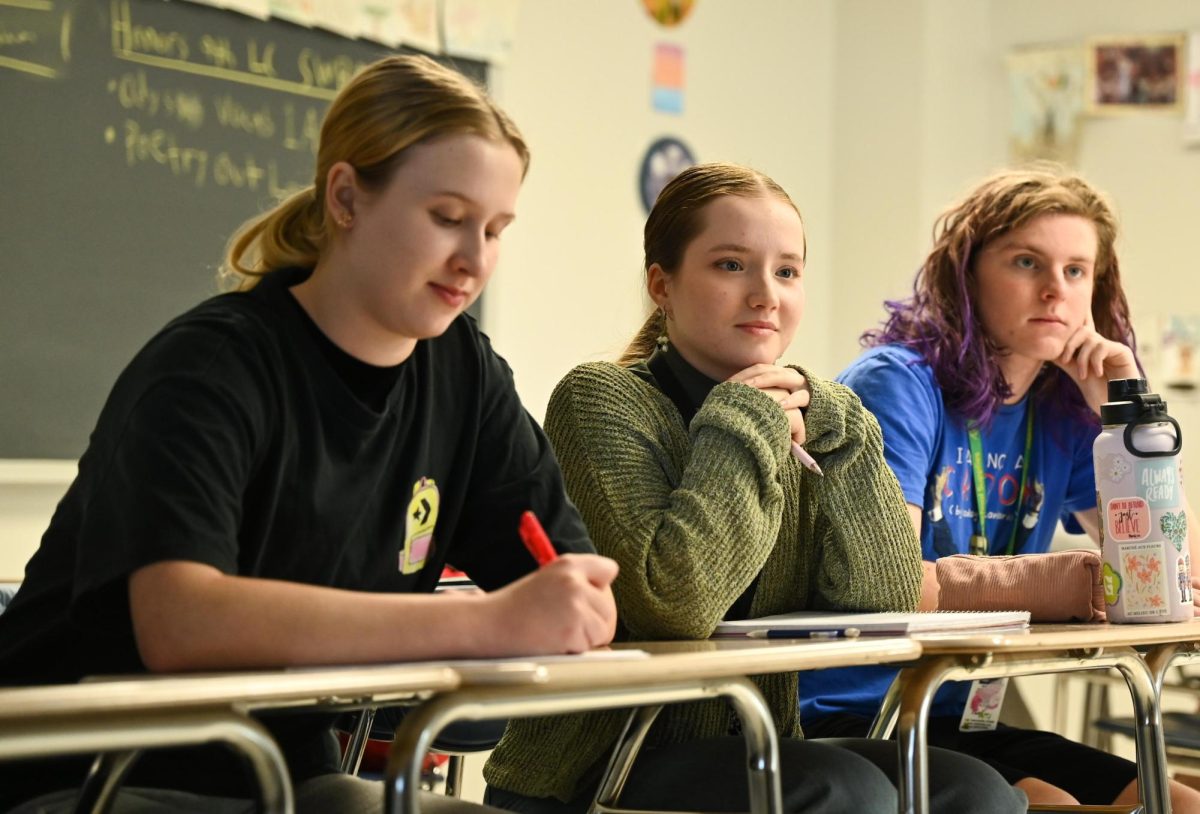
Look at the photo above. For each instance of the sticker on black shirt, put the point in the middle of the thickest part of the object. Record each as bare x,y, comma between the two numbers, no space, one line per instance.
418,526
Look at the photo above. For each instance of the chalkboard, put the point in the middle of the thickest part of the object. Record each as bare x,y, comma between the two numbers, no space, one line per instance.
136,136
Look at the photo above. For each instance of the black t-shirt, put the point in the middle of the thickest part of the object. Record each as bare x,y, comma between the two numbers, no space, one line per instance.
232,440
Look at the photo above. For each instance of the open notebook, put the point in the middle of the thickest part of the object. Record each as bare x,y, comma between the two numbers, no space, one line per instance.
824,624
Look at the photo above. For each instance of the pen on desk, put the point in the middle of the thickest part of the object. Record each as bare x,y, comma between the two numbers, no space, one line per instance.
807,460
535,539
831,633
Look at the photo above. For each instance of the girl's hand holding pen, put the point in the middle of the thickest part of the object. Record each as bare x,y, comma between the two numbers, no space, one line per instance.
565,606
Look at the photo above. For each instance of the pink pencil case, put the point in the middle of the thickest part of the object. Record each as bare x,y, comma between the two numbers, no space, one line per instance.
1060,587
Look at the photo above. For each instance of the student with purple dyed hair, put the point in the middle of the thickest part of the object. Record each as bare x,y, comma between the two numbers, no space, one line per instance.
1002,355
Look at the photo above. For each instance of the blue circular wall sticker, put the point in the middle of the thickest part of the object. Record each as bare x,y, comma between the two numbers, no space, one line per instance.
665,159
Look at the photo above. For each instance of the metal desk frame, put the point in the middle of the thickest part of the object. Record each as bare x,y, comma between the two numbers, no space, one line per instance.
1045,649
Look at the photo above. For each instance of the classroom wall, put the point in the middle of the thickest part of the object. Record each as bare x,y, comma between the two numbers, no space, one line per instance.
569,287
872,113
923,112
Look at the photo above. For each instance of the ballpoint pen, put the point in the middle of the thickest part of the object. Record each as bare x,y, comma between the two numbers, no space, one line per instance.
830,633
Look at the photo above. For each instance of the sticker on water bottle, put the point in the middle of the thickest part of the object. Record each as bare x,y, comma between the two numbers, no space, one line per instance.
1114,467
1144,579
1158,482
1128,519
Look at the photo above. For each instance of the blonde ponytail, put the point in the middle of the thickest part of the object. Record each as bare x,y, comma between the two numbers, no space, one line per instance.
291,234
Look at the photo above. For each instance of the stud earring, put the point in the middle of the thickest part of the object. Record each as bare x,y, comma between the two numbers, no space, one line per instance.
344,220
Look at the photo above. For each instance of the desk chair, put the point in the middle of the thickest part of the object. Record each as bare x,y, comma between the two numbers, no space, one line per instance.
1181,730
366,747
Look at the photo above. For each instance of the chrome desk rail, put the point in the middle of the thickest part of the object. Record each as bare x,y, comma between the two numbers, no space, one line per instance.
107,732
419,728
906,706
120,716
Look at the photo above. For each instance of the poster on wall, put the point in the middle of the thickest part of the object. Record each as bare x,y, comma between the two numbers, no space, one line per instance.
668,84
480,29
1135,74
401,22
668,13
1046,88
1179,352
1191,113
664,159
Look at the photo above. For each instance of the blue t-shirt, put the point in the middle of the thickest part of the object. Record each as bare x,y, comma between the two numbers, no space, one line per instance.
928,450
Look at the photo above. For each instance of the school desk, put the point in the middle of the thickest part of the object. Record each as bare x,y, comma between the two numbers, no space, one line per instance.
670,672
122,716
1040,649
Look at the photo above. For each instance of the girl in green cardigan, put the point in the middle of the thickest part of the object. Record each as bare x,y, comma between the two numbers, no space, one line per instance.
682,458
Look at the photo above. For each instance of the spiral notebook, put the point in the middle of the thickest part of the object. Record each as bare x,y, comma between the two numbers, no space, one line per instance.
823,624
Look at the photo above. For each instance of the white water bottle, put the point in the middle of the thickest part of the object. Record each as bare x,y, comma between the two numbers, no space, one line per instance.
1139,493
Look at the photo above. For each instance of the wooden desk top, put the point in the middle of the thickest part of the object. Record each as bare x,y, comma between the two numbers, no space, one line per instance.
238,690
717,658
381,683
1058,637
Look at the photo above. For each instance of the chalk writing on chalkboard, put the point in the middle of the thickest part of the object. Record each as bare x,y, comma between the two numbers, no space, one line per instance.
138,135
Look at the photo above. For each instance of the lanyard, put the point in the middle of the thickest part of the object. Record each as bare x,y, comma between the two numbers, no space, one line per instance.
979,541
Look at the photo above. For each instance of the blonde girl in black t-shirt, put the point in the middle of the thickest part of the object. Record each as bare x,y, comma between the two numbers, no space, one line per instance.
279,476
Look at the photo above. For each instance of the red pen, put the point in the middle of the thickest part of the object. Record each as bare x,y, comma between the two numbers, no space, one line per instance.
535,539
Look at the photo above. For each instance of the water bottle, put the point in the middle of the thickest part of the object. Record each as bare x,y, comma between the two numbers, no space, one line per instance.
1139,493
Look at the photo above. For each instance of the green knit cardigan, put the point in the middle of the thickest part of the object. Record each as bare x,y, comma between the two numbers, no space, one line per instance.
692,515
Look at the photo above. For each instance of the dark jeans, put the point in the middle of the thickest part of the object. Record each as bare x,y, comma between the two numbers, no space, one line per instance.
327,794
1091,776
834,776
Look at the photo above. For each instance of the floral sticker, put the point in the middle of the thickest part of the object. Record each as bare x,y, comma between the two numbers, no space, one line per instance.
1144,579
1114,467
1174,528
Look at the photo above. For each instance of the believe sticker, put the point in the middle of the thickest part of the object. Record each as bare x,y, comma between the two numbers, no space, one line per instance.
1128,519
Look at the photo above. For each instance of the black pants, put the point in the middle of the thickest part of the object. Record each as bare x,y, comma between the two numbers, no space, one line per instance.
835,776
1091,776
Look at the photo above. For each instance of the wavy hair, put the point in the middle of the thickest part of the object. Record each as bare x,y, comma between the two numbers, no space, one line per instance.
678,217
940,320
385,109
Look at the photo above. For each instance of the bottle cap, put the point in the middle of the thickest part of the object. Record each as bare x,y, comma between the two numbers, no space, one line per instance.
1122,389
1128,399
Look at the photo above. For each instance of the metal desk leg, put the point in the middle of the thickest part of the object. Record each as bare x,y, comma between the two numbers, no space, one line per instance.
889,708
1148,735
917,687
621,763
99,788
421,726
1158,661
357,745
113,733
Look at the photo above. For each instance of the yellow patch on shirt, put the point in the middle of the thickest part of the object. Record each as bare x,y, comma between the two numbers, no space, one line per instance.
418,525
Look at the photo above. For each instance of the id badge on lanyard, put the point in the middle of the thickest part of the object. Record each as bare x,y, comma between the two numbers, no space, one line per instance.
982,710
